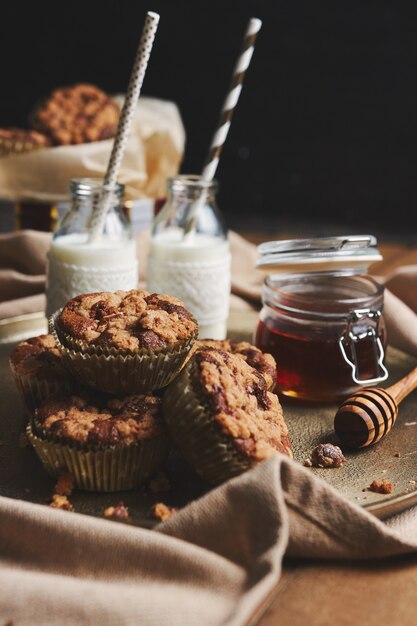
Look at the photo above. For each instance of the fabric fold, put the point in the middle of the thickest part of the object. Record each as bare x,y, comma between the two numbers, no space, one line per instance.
212,563
217,561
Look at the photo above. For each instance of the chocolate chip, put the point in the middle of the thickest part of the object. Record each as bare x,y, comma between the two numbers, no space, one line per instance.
149,339
101,309
169,307
103,432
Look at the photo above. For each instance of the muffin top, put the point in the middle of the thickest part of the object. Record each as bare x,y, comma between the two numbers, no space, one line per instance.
263,362
78,114
37,356
237,396
127,320
98,420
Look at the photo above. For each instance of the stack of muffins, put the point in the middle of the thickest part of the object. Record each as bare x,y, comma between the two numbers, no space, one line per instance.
120,375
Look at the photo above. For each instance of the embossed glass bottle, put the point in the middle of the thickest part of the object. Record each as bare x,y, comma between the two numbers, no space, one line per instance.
78,265
193,266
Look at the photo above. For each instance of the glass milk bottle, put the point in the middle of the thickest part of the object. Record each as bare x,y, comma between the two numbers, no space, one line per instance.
189,254
77,264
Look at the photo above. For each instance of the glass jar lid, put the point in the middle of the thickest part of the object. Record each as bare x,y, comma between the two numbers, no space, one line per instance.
351,254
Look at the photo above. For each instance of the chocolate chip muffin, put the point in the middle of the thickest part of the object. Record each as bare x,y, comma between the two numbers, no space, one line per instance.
105,443
125,342
263,362
39,371
78,114
19,141
222,417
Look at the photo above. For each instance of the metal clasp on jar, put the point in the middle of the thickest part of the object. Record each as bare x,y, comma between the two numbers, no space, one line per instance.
358,330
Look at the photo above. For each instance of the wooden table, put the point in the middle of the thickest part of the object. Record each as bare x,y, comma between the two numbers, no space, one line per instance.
341,593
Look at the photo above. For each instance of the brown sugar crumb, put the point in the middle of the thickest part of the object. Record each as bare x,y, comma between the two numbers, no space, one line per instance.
61,502
64,485
327,455
238,398
162,512
120,511
23,440
380,487
127,320
159,483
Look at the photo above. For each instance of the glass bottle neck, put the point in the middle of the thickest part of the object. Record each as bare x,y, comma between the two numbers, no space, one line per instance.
86,194
89,191
190,210
190,188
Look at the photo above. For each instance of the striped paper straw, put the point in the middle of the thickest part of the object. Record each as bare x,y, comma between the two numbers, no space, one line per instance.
225,119
125,122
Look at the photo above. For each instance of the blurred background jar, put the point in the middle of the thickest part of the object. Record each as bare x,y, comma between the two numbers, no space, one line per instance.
77,264
322,316
35,215
189,253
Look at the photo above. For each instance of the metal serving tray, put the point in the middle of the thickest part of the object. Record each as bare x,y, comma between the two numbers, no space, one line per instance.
22,476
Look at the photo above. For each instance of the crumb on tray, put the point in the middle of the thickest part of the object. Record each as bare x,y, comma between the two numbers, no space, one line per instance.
62,489
60,502
120,511
326,455
380,487
162,512
64,485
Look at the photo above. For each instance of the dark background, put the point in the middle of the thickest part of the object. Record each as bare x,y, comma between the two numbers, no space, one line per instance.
325,130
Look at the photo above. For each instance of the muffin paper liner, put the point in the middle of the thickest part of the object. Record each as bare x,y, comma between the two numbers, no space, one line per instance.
35,390
116,468
196,433
112,371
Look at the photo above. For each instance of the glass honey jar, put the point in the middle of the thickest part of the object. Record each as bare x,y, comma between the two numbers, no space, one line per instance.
322,316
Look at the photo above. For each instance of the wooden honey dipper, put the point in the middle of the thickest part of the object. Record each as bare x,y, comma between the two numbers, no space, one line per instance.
369,414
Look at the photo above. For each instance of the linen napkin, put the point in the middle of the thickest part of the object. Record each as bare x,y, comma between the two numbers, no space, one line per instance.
217,561
214,563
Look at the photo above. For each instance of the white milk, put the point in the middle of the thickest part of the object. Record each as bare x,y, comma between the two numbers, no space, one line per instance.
76,266
196,270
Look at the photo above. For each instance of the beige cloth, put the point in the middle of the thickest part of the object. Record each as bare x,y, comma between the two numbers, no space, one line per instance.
153,151
214,563
22,282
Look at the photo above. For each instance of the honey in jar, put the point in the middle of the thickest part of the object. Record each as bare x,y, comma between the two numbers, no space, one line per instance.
324,323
